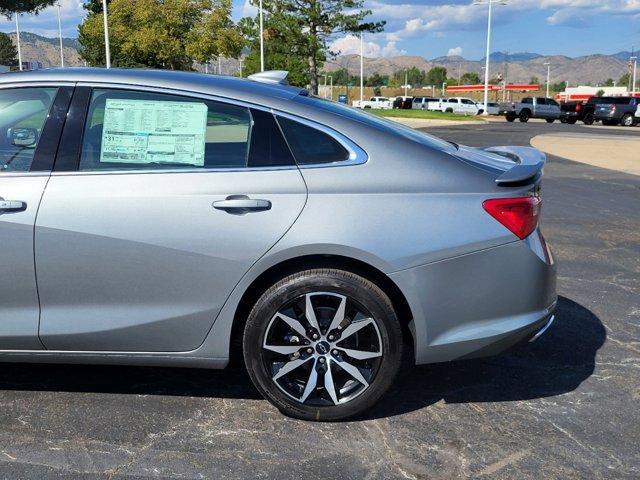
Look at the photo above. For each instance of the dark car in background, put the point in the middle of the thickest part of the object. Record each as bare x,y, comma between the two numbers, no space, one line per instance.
572,112
617,110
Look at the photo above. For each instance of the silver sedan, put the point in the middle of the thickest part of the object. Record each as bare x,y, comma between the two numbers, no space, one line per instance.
177,219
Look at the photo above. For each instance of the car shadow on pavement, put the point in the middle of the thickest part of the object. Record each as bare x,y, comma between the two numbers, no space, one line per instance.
558,362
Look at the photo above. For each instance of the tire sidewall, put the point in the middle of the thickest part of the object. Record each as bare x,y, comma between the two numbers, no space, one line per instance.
363,292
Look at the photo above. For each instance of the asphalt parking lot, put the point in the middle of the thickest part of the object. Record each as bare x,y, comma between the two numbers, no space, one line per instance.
565,407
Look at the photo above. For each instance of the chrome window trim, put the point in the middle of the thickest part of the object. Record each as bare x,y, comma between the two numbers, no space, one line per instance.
24,174
357,156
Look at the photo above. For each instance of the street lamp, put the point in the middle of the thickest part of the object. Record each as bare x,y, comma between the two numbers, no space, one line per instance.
635,73
18,40
361,66
261,40
548,65
486,71
107,49
60,35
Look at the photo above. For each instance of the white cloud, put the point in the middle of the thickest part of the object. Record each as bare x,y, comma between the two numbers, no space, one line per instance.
249,10
455,52
414,19
350,45
46,22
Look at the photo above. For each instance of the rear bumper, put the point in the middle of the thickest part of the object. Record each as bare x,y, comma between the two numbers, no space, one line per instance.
481,303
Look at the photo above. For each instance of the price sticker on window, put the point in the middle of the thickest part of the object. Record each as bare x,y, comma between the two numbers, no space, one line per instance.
145,131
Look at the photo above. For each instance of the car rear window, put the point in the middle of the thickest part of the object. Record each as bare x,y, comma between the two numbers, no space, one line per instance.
311,146
375,122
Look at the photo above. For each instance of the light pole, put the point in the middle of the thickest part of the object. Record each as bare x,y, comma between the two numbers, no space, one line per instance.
241,60
406,82
361,66
331,86
635,73
261,39
486,65
18,41
548,65
107,49
60,35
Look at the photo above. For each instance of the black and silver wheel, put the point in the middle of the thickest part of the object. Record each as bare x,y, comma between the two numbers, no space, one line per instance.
627,120
524,116
323,344
588,119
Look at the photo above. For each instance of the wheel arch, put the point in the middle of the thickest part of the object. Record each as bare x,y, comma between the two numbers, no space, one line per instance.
296,264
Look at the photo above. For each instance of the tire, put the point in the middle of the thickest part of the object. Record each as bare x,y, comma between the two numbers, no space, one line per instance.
551,120
325,290
449,110
524,116
510,117
627,120
565,120
588,119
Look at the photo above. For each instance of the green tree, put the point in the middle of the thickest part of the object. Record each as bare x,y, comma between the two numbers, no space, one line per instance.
8,52
436,76
284,47
470,78
169,34
9,7
95,6
558,87
600,93
625,80
320,20
376,80
608,82
534,80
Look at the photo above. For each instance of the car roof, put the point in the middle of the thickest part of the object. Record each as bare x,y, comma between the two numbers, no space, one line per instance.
225,86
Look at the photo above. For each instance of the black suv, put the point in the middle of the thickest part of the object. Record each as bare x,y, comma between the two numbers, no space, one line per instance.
617,110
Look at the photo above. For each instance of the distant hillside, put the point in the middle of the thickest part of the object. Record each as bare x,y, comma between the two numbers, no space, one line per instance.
519,68
47,50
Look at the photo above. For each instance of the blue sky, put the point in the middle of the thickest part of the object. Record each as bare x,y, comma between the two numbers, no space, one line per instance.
434,28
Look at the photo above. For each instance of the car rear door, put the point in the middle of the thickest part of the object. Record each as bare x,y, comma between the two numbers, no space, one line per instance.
30,123
153,215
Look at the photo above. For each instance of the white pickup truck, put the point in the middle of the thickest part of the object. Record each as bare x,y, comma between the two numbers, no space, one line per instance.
376,103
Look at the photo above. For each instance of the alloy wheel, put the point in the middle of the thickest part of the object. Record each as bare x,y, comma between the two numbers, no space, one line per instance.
322,349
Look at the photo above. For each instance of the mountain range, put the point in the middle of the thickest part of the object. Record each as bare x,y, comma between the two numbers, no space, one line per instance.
519,67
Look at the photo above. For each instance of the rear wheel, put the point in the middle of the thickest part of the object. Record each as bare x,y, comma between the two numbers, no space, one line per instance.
323,344
524,116
627,120
510,117
588,119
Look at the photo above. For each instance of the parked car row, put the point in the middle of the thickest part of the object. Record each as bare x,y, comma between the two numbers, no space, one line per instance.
457,105
623,111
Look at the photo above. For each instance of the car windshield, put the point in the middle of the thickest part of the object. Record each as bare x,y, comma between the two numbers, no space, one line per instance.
376,122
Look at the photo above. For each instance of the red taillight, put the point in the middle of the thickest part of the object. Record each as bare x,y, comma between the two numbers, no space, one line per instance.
578,107
520,215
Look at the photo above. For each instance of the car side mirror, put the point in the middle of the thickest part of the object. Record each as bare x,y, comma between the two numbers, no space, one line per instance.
23,137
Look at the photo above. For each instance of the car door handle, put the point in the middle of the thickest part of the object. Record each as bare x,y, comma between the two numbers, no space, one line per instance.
241,204
12,205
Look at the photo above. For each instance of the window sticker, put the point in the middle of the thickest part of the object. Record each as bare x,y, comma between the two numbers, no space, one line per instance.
145,131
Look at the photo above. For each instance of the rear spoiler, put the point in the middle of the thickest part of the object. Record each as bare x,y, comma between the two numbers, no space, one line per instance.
530,162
